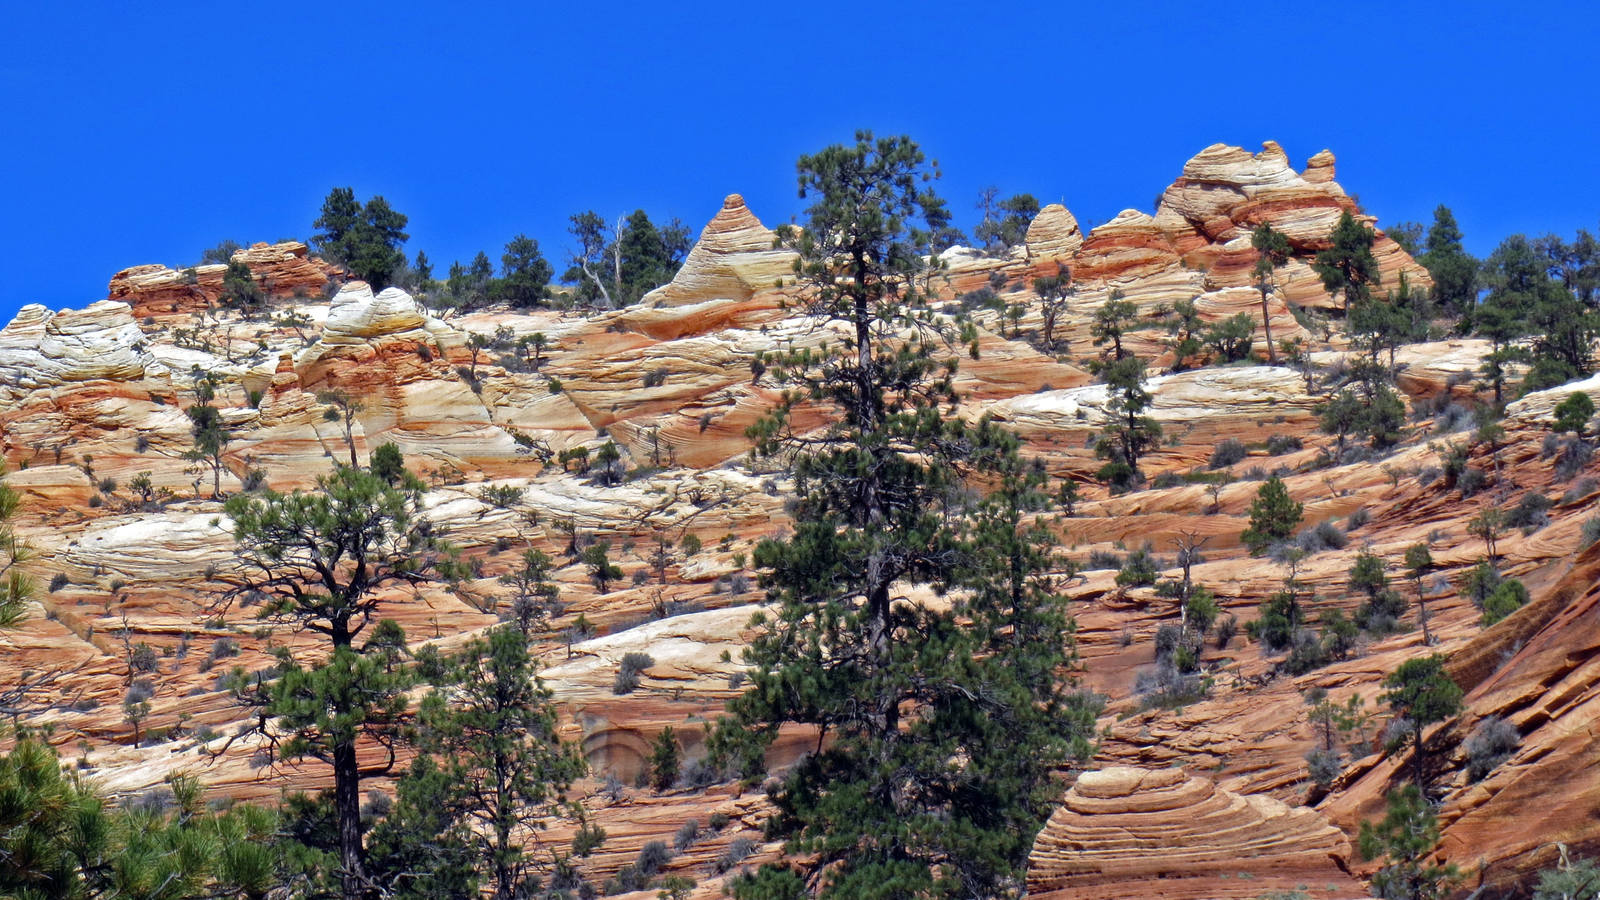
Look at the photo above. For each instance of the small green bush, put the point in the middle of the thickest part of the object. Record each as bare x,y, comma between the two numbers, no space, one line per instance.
1227,453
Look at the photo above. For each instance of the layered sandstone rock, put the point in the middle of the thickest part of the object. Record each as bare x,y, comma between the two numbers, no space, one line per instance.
1134,833
89,396
1053,235
733,259
41,349
282,270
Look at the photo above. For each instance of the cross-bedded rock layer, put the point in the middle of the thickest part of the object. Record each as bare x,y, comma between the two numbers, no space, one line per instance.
99,393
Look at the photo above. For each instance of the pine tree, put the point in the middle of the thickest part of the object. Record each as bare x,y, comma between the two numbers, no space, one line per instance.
319,560
1185,329
592,267
1274,515
1054,291
1407,836
367,239
210,434
664,759
1112,321
1128,433
1420,693
1573,414
649,256
16,588
1348,266
342,408
1005,224
239,289
906,794
1454,272
1274,249
507,771
423,270
527,274
1419,562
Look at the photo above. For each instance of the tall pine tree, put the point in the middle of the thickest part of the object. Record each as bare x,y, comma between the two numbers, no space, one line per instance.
911,791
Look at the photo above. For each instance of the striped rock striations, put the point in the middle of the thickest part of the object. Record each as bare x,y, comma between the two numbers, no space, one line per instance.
1123,832
92,399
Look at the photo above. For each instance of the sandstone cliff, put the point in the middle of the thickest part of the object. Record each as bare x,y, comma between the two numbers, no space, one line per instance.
1217,789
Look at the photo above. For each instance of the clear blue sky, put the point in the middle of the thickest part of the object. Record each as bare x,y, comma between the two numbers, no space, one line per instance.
145,132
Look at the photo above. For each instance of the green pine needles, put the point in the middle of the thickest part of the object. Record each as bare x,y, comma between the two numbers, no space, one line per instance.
936,722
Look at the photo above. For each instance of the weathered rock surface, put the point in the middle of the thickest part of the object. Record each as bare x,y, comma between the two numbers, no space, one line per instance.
733,260
1135,833
282,270
92,396
41,349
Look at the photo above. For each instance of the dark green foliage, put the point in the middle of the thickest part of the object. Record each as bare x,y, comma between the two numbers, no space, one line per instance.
1004,224
1531,513
1230,339
1129,433
1573,414
239,289
1506,598
1279,620
1054,291
317,560
602,571
1114,319
388,464
664,759
505,771
1569,881
420,849
1369,408
1380,612
535,598
1408,235
366,240
211,437
616,267
1273,247
222,253
1139,570
1454,272
16,587
1383,324
943,723
1274,515
1421,693
1185,329
526,275
650,255
1348,267
1406,837
1524,300
60,841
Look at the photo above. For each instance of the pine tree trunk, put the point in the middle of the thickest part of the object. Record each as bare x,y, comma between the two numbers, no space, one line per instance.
1266,326
347,805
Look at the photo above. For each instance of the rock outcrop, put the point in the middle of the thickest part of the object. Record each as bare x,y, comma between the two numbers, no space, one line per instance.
41,349
91,399
734,259
282,270
1133,833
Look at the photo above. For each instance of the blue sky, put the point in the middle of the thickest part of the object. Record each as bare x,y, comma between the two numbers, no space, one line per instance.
146,132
